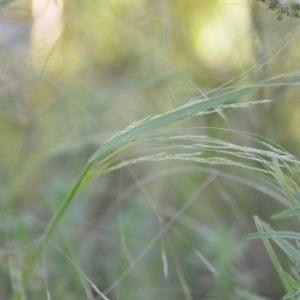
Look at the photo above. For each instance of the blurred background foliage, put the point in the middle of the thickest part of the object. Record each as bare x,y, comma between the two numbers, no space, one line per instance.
75,72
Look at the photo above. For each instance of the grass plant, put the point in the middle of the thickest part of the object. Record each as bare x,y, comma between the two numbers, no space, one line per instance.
150,216
133,133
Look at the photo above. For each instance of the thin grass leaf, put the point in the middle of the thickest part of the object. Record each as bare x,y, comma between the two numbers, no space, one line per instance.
273,235
291,251
297,266
271,253
245,295
184,285
283,183
277,185
292,295
272,181
202,258
290,281
287,213
296,197
84,276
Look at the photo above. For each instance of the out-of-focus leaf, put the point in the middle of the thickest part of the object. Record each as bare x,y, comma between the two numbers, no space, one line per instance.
290,280
245,295
273,235
292,295
287,213
283,244
276,184
5,2
297,266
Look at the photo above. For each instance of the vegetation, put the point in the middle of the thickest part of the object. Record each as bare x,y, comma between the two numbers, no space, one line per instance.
181,129
288,7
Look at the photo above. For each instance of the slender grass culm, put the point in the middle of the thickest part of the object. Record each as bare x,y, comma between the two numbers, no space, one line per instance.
101,161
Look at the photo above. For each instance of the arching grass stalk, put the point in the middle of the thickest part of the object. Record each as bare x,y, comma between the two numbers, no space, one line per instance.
128,135
50,229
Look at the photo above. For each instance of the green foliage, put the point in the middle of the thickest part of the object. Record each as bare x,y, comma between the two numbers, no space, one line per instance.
281,8
290,280
5,2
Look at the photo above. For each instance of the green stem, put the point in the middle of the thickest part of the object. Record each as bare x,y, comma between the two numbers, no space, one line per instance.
16,295
271,254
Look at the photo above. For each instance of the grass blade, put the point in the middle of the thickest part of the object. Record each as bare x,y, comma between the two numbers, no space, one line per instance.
283,244
245,295
277,185
271,252
273,235
287,213
282,181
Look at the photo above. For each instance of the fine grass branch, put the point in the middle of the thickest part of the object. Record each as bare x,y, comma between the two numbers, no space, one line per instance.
124,138
199,149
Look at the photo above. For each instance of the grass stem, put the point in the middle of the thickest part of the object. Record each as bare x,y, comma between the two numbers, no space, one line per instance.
16,295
